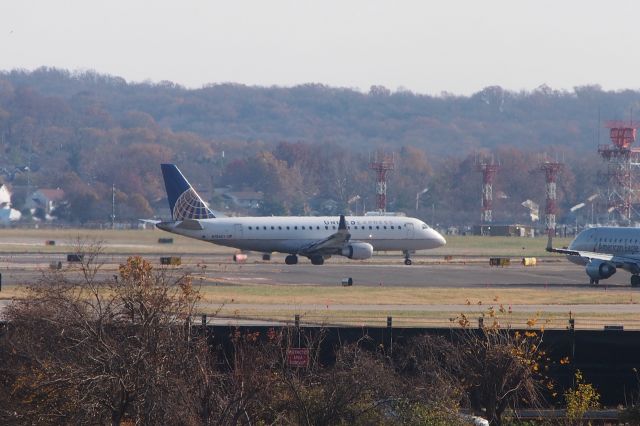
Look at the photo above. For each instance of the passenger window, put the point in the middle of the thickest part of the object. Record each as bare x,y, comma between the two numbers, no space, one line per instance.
273,227
326,227
377,227
385,227
287,228
280,227
370,227
264,227
334,227
249,228
295,227
392,227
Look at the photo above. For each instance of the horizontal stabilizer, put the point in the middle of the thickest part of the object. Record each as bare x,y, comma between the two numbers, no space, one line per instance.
190,224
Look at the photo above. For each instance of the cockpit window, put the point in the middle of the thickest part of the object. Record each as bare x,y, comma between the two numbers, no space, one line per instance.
425,226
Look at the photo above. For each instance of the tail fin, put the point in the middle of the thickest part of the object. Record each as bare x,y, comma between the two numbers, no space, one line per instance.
184,201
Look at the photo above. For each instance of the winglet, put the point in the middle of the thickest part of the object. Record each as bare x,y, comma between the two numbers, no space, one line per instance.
343,223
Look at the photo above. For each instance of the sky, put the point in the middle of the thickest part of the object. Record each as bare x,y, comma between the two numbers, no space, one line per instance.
429,47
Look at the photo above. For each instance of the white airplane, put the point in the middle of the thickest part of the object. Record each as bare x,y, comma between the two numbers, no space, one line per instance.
603,251
315,237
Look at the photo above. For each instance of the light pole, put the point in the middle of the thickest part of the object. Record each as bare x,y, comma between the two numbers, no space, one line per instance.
354,199
573,210
424,191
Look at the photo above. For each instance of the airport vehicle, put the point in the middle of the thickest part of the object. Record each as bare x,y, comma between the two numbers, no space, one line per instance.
315,237
604,250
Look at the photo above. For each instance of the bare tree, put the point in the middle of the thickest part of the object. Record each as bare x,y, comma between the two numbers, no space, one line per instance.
97,352
503,368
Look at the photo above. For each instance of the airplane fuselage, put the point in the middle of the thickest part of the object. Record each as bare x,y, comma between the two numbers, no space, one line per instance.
619,241
288,234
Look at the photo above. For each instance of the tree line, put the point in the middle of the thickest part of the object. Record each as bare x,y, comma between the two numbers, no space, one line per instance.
87,132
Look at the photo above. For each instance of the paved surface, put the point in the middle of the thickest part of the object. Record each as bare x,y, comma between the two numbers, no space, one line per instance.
18,269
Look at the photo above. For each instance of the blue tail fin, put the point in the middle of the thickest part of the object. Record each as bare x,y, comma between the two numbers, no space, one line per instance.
184,201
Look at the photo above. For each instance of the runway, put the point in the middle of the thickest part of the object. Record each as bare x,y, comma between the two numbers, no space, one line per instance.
421,275
388,271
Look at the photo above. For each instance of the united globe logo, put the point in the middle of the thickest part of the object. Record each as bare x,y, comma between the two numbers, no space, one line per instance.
190,206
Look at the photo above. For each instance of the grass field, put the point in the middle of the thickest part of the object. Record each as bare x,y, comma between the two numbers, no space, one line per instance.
146,241
305,295
283,301
357,305
298,295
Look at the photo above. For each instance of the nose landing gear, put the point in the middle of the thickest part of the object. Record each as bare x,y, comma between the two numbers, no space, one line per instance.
407,258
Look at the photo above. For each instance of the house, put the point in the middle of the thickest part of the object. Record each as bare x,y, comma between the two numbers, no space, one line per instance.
45,200
244,199
5,197
498,230
7,214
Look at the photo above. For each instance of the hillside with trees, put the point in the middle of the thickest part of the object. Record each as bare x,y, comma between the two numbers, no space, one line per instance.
301,146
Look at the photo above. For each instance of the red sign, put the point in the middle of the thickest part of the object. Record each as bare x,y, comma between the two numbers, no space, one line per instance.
298,357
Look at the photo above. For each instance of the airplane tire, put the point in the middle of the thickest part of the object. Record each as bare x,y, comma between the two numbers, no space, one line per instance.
635,280
317,260
292,259
407,262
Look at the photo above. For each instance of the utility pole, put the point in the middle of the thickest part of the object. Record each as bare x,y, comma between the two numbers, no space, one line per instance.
113,206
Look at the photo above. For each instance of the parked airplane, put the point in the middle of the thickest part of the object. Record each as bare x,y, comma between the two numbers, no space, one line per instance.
315,237
603,251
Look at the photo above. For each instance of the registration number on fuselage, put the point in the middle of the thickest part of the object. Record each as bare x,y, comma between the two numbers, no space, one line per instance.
221,236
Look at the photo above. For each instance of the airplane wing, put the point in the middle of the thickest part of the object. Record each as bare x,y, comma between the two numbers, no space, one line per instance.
331,245
618,260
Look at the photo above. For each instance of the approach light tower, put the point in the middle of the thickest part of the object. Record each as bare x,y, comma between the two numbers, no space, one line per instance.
551,171
622,162
489,172
381,163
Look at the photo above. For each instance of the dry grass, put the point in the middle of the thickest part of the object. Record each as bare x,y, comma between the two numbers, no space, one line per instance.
146,241
444,318
114,241
293,295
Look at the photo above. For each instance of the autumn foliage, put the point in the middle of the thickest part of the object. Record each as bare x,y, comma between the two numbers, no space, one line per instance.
305,147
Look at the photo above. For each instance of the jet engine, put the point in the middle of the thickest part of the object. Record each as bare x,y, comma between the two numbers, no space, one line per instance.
358,251
600,269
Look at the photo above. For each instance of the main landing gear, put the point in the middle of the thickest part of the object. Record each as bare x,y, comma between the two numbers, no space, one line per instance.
317,260
593,281
635,280
407,258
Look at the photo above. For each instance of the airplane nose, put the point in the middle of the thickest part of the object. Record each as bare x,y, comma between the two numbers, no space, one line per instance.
438,238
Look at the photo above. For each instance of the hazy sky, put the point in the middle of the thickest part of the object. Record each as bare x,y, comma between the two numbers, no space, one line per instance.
424,46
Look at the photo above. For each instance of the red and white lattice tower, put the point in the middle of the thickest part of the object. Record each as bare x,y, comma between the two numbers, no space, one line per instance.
382,163
489,172
622,160
551,171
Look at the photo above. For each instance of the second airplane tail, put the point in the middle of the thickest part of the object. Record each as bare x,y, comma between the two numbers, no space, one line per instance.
184,201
